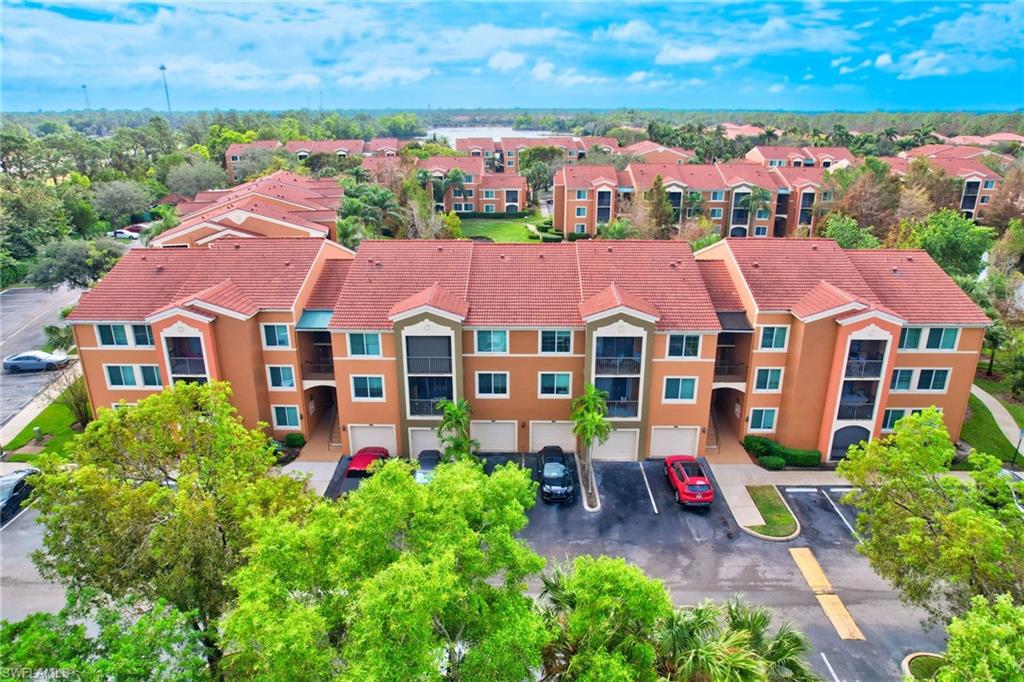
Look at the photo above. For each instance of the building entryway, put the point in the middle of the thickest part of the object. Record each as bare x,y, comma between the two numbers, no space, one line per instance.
724,446
324,444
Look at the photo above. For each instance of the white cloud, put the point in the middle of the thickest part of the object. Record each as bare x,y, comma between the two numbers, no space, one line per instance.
694,83
674,54
506,61
634,29
776,88
638,76
573,77
883,60
808,76
865,24
385,75
543,70
843,70
839,60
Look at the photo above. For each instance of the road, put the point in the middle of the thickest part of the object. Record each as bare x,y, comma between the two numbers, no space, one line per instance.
23,314
22,589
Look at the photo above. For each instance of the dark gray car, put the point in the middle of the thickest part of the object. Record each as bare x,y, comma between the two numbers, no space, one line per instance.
556,477
34,361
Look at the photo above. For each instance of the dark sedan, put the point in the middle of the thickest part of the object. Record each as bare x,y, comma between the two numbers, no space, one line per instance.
556,476
14,490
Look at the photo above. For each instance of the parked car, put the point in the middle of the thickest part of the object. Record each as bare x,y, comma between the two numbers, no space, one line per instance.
556,476
130,232
359,466
689,480
35,360
14,490
428,461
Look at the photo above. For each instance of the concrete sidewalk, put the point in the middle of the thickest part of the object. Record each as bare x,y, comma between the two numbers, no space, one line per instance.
19,421
1007,424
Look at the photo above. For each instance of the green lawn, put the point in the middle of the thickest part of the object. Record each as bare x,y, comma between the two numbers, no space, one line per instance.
778,522
55,420
998,387
925,667
981,432
500,229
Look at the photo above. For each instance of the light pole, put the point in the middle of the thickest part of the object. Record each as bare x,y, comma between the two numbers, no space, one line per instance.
167,95
85,91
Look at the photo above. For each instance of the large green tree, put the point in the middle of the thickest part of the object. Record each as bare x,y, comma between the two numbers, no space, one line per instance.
847,233
76,263
956,243
31,215
160,501
986,644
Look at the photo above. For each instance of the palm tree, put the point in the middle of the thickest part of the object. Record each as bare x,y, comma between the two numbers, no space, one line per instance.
453,179
888,133
769,135
840,136
590,423
359,174
381,206
782,653
694,644
453,429
923,134
693,204
759,199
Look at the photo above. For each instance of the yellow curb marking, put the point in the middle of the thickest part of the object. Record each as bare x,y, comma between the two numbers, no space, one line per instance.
841,620
811,569
830,603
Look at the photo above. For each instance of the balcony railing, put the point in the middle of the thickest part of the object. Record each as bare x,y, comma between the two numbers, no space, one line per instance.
617,366
313,370
859,411
424,407
424,364
726,371
623,408
864,368
181,366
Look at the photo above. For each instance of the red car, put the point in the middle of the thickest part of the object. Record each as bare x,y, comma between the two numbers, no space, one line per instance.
364,457
690,483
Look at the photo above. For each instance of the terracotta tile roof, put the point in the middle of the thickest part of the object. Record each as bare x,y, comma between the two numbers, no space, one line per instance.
820,298
612,297
799,176
733,130
646,147
325,146
750,174
503,181
624,178
720,286
563,141
434,296
703,176
471,165
585,176
468,144
269,272
380,144
833,153
781,152
225,294
324,295
524,284
643,174
915,287
947,150
383,164
897,164
961,168
239,148
591,141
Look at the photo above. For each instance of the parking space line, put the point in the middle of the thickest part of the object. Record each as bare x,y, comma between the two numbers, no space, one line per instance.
842,517
811,569
648,485
841,619
828,665
15,517
801,490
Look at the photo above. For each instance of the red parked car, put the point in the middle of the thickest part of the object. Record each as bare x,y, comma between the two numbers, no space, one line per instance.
358,468
689,481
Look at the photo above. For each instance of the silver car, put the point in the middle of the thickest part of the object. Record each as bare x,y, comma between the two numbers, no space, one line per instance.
34,361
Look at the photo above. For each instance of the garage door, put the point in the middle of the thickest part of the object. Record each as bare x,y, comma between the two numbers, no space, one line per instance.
379,436
674,440
423,439
494,436
552,433
622,444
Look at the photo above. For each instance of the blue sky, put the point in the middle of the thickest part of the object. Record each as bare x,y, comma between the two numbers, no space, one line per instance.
735,55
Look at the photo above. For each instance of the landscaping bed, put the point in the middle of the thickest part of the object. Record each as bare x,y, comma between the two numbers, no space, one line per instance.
775,457
778,520
924,666
58,426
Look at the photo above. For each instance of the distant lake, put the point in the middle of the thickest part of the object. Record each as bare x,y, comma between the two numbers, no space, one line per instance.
458,133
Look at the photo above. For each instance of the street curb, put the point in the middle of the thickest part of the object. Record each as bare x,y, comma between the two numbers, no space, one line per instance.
772,538
905,664
593,482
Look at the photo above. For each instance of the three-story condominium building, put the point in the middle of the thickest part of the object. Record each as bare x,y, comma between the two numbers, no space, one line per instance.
303,149
980,183
795,340
480,190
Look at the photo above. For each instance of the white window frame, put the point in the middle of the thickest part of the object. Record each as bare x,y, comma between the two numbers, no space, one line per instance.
775,420
540,342
581,228
668,347
760,338
129,335
780,370
285,427
945,384
348,340
476,342
920,337
489,194
492,396
136,370
892,378
263,335
679,401
357,399
885,413
270,385
760,231
581,195
553,396
718,195
956,340
490,208
988,184
984,199
583,214
467,193
715,213
762,214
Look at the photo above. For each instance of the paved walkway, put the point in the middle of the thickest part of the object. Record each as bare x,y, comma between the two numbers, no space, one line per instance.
733,480
1007,424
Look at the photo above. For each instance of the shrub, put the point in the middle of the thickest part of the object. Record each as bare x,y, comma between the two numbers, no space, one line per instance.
294,440
772,463
551,237
763,447
801,458
573,236
758,446
533,236
549,221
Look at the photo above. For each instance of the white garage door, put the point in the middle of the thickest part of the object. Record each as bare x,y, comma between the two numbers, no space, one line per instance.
421,439
552,433
494,436
379,436
674,440
622,444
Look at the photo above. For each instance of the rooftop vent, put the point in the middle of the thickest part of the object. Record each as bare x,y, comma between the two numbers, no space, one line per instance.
754,264
238,246
159,268
814,247
895,270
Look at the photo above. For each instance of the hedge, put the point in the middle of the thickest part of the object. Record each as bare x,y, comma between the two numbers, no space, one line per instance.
772,463
764,447
495,215
294,440
573,236
551,237
533,235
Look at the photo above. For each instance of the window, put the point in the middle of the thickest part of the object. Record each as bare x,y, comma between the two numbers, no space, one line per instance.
715,213
941,338
364,345
683,346
150,375
763,419
581,228
910,338
468,193
890,417
511,163
112,335
775,163
760,230
990,184
457,208
456,192
121,375
901,379
555,341
827,196
581,194
143,334
234,157
492,384
491,341
367,388
932,379
768,379
762,214
281,376
718,195
488,194
985,199
488,208
275,336
773,338
555,384
680,390
581,211
286,417
510,153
